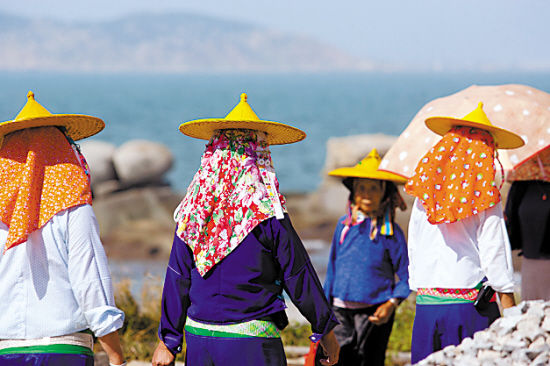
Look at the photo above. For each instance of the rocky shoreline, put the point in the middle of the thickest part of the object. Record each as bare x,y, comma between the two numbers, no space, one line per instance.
134,203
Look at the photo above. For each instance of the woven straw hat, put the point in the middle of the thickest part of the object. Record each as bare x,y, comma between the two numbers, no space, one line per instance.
242,116
367,168
33,114
504,139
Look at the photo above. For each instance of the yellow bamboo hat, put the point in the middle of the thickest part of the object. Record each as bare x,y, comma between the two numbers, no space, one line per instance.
504,139
242,116
33,114
367,168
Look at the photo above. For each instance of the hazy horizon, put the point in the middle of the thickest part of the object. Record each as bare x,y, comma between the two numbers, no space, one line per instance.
420,35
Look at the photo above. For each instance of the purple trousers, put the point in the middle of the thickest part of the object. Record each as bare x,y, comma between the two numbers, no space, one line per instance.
438,326
220,351
45,359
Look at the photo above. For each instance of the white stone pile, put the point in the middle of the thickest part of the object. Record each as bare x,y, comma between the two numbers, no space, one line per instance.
520,337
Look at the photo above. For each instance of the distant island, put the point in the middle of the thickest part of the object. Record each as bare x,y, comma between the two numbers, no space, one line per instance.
163,43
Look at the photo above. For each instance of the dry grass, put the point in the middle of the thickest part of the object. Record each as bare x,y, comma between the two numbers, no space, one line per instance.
139,333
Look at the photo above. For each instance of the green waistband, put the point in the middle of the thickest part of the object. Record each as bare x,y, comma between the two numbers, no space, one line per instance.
52,348
437,300
250,329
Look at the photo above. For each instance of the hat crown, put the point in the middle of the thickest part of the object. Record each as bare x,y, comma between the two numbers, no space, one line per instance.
32,109
478,116
371,162
242,111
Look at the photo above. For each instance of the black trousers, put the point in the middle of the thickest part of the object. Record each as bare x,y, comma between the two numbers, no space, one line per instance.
361,342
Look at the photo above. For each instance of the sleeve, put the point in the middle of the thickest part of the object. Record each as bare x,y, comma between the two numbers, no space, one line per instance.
494,250
511,215
329,279
400,262
89,274
414,237
300,279
175,296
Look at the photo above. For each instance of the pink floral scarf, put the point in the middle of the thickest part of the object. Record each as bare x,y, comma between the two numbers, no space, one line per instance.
233,191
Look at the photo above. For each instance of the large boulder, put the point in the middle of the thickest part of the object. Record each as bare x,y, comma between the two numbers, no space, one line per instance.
137,223
140,162
99,155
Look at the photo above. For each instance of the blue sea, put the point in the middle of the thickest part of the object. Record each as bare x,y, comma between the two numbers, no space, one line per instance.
323,105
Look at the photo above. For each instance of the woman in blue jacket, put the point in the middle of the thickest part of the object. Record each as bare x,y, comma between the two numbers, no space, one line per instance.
368,251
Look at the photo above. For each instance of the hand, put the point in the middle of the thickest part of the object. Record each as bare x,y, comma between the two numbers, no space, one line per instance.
162,356
506,300
383,313
331,349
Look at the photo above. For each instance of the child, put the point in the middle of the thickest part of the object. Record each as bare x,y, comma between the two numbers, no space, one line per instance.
368,250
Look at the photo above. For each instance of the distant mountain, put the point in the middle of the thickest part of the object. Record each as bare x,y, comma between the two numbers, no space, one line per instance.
162,43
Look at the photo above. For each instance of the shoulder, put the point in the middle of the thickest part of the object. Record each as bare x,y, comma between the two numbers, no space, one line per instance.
398,237
77,215
491,214
81,210
80,221
340,221
273,227
398,232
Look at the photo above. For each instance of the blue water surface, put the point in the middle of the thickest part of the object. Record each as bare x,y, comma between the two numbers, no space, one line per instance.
323,105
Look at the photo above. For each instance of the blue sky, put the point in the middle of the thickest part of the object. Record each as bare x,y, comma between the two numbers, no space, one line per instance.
434,34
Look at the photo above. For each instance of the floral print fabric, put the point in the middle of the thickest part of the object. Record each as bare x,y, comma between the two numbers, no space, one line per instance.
233,191
40,176
456,178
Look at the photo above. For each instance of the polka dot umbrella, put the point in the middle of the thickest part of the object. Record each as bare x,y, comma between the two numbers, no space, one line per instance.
519,108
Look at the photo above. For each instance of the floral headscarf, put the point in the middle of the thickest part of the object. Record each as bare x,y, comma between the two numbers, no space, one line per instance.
40,175
456,178
233,191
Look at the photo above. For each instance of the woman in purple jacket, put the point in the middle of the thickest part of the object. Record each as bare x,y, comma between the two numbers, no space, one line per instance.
234,253
368,251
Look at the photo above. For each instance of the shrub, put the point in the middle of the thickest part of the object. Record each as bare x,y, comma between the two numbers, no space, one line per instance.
139,332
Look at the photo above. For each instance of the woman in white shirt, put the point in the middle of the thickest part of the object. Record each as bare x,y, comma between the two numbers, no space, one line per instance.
457,237
55,286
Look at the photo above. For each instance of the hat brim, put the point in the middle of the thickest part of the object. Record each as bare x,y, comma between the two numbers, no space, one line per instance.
504,139
378,174
78,126
277,133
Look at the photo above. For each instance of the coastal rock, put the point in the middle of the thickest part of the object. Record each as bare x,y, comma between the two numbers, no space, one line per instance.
137,223
330,199
517,339
139,162
349,150
341,152
99,155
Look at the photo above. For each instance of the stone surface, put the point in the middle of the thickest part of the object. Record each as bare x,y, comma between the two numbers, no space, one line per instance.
330,199
99,155
519,338
139,162
137,223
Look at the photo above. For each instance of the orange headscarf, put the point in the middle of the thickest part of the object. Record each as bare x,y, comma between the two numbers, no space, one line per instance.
456,178
40,175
